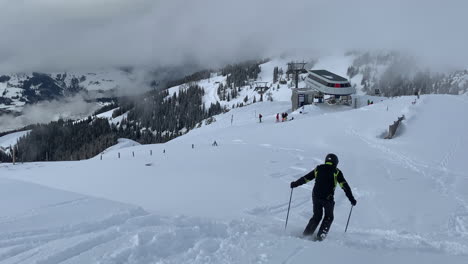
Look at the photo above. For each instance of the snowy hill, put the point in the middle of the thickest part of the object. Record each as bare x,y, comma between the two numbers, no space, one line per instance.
187,201
386,71
19,89
10,140
395,74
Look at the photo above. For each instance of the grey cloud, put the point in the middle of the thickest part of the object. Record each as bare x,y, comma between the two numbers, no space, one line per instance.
57,34
69,108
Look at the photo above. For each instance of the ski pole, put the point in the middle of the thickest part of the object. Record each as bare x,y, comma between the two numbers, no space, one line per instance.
289,206
349,218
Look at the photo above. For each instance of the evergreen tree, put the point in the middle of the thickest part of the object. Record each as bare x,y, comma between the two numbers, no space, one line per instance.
275,74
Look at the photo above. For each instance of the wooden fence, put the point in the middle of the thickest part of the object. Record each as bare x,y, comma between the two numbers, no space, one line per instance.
393,128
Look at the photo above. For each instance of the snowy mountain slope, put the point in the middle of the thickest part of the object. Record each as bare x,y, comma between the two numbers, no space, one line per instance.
9,140
227,204
373,66
108,115
278,92
18,89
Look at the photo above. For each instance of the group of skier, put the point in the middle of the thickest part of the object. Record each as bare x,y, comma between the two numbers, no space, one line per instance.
284,117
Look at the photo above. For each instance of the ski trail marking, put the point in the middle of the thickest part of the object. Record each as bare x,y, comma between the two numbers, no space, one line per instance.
298,168
279,208
292,149
295,252
396,241
79,248
300,157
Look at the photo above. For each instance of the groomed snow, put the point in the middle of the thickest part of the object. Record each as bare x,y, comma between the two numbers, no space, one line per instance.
227,204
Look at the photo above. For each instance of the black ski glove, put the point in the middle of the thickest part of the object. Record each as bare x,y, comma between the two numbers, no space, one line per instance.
353,201
294,184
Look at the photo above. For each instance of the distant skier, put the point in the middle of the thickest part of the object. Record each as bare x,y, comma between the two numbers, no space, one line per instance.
326,176
277,117
260,117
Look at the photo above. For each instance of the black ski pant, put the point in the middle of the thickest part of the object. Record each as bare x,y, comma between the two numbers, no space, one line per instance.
320,205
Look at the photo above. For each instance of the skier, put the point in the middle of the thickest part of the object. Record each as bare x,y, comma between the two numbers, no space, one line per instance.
326,176
277,117
260,117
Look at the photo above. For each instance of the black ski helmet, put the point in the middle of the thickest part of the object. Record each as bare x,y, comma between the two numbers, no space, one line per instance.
332,158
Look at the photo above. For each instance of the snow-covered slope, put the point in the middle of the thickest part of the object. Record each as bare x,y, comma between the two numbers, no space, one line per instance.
227,204
15,89
366,71
247,93
10,140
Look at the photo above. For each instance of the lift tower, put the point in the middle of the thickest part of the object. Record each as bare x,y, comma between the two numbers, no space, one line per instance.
296,68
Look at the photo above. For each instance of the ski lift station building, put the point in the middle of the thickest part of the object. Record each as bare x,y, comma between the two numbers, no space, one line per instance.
322,85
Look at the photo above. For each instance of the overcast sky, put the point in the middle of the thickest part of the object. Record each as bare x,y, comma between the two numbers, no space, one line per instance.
64,35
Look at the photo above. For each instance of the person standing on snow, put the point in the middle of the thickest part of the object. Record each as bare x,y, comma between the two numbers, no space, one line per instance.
260,117
326,176
277,117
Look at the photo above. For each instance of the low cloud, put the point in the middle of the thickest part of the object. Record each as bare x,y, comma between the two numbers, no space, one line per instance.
63,35
70,108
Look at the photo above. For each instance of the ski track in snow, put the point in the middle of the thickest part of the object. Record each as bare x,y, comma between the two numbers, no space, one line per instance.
438,174
378,239
134,237
290,258
38,245
148,238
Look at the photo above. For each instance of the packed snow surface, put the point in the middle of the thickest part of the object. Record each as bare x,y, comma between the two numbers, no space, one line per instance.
174,203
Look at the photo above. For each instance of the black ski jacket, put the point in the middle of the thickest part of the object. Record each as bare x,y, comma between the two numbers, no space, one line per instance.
326,176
